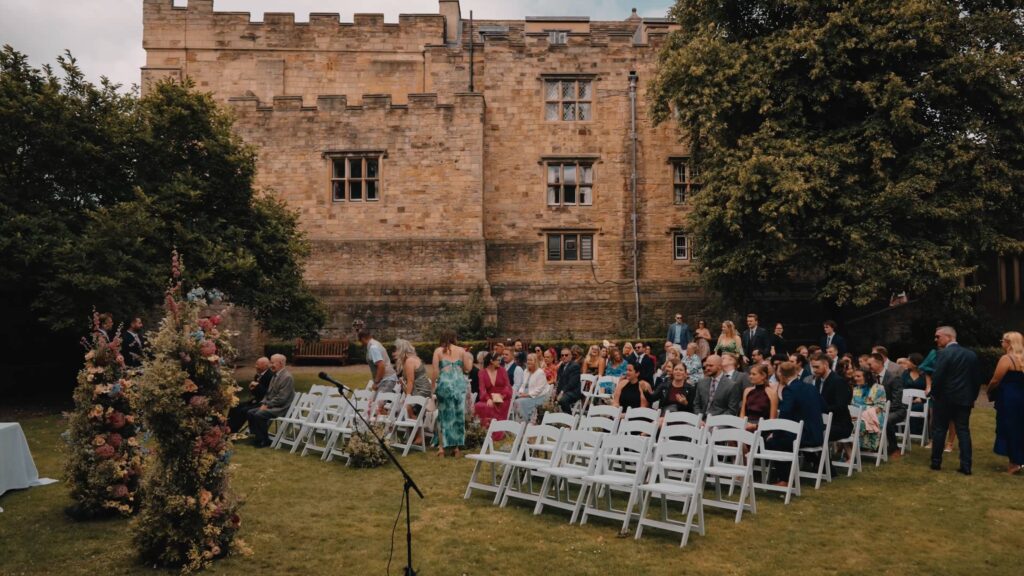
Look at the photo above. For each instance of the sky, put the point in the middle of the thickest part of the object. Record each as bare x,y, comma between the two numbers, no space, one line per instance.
105,36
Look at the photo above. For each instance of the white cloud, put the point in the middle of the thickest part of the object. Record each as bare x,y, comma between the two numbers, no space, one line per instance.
106,35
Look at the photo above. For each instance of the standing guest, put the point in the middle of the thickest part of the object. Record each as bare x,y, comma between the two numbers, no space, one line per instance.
754,337
870,397
800,403
451,362
731,371
616,365
133,345
836,395
833,357
831,337
760,400
535,392
238,415
894,392
644,363
516,374
955,386
279,396
778,342
703,338
691,361
568,388
632,392
628,353
412,374
383,373
679,332
729,342
716,394
593,364
676,395
474,373
495,392
106,329
1007,390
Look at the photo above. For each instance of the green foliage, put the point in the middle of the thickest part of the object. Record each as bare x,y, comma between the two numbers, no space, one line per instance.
852,149
469,319
363,449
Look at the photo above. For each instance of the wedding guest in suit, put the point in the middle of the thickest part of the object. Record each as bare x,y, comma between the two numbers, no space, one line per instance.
474,373
133,344
279,396
833,357
1007,390
717,394
754,337
703,338
679,332
893,385
238,415
831,338
730,370
778,342
836,395
644,363
106,329
760,400
955,384
569,391
800,403
890,366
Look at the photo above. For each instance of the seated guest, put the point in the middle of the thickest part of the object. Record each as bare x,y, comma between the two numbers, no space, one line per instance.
534,392
133,344
593,364
732,372
869,396
275,404
676,393
474,373
628,353
715,393
238,415
915,379
691,361
616,365
412,376
756,357
632,392
760,400
568,389
495,397
833,357
551,366
893,385
800,403
516,373
836,395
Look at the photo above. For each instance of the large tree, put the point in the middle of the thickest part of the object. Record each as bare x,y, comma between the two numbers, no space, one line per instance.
849,148
97,186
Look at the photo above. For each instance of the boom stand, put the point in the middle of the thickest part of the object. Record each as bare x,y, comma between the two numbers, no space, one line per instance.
409,482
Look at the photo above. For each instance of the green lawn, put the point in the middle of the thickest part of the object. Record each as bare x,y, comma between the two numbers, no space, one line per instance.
304,516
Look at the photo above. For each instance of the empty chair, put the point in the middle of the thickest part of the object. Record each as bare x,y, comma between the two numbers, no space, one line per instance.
362,394
588,386
605,411
645,414
669,485
494,455
766,456
905,430
575,457
336,415
330,408
726,421
407,427
854,460
536,452
723,444
337,443
559,420
290,427
612,474
385,409
598,424
824,468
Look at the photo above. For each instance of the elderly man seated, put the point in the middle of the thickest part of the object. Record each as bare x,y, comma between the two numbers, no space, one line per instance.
279,397
238,415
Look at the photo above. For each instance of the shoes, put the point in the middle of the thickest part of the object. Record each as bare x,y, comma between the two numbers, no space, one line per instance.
935,466
949,448
258,444
963,471
894,456
781,484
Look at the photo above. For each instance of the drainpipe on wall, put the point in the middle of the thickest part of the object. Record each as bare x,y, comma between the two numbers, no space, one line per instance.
632,187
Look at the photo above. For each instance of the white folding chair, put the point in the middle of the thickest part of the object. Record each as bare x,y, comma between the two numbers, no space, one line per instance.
290,428
613,473
407,427
904,430
274,430
536,452
723,444
560,420
643,414
495,455
726,421
881,454
575,457
669,485
766,457
362,394
385,409
854,463
824,470
682,426
598,424
341,433
587,388
332,415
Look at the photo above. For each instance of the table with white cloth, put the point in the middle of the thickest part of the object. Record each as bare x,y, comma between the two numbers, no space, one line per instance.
17,470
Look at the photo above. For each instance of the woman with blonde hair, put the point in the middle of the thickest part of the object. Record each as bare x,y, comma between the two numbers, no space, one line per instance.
729,340
1007,390
412,375
593,363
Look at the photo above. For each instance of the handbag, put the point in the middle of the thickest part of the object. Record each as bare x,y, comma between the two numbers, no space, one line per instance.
497,398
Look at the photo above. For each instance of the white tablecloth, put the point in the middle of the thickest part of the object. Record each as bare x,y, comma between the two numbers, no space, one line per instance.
17,470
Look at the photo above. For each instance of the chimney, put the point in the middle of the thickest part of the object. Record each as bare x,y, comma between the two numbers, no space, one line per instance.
452,21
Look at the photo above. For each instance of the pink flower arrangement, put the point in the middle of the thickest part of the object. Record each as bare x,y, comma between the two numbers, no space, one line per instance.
215,319
105,451
115,439
208,348
199,402
119,491
116,420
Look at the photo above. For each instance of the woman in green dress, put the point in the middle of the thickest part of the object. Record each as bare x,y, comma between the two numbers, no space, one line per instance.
451,362
729,341
868,394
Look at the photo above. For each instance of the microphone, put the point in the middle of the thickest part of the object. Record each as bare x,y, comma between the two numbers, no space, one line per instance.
341,387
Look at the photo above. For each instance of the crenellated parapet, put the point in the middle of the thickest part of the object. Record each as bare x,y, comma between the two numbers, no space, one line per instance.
339,104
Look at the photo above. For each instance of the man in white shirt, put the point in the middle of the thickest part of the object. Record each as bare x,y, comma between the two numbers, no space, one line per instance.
515,372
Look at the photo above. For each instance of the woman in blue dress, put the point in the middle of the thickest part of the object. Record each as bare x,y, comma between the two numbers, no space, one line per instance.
451,362
1007,390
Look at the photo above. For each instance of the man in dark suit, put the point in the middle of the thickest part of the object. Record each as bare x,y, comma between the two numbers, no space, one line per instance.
275,404
894,394
955,384
106,328
568,384
800,402
831,338
238,415
835,395
754,337
645,364
133,344
717,394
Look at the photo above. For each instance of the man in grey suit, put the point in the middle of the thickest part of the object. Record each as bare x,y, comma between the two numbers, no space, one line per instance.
955,384
730,371
717,394
893,385
275,403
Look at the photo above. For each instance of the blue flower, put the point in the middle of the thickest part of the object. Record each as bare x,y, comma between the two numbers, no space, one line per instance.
196,293
115,390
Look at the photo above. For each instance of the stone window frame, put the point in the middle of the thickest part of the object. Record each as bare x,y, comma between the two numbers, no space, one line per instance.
578,161
583,246
687,246
1010,280
557,37
685,179
364,157
557,101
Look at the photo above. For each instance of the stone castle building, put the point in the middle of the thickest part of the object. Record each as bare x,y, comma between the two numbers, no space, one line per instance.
436,157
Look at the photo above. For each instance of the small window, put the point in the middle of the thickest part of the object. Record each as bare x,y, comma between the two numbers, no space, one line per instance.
570,247
568,100
355,179
558,37
570,183
684,180
681,246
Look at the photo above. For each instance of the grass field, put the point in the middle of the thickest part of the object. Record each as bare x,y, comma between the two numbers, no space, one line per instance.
303,516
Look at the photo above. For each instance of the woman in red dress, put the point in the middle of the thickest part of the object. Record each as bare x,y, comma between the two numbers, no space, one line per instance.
495,392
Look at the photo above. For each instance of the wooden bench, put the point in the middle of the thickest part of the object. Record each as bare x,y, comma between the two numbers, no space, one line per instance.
323,349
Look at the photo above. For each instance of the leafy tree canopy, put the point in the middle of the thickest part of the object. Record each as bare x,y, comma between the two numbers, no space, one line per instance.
854,148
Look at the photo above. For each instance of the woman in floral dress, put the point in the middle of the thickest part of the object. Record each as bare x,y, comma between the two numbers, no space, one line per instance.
451,362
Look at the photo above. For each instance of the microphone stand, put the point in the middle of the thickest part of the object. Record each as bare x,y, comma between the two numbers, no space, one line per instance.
409,482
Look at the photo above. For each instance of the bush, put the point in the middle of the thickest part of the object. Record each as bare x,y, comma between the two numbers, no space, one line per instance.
279,347
364,450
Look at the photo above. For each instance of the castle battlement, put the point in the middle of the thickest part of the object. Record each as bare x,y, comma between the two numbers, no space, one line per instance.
336,103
